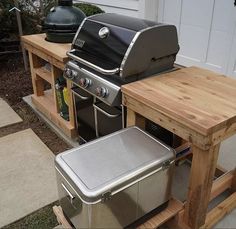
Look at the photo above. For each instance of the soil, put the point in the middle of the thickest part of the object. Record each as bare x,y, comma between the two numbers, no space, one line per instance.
15,83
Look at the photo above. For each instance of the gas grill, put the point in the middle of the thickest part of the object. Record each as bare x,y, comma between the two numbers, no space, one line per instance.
110,50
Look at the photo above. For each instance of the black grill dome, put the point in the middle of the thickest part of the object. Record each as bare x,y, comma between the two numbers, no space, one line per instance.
62,22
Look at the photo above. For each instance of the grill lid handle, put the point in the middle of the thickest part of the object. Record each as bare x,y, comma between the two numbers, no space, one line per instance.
91,65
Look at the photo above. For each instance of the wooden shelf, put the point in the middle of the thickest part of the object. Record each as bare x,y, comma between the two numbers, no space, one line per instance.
46,105
44,74
173,208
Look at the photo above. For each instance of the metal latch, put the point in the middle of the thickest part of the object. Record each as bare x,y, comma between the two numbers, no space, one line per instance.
106,196
166,164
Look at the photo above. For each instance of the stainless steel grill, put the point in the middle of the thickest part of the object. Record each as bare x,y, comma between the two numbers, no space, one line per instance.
110,50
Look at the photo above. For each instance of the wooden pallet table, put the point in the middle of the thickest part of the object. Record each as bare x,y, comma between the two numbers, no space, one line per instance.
200,107
41,51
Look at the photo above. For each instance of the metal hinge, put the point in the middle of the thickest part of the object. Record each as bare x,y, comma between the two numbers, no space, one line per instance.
166,164
106,196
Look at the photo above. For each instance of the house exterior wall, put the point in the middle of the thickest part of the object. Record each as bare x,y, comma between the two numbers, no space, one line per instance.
133,8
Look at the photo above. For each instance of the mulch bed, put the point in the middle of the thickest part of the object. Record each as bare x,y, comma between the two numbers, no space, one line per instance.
15,83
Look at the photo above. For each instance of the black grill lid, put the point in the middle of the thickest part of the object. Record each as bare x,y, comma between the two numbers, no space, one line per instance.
130,23
129,45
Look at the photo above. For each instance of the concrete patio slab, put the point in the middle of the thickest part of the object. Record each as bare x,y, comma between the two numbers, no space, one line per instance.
27,176
7,115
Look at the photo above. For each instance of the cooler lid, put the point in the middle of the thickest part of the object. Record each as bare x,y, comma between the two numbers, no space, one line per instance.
112,162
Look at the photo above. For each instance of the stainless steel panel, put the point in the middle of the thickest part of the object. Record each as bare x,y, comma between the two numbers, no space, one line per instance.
155,190
120,210
114,95
113,161
111,182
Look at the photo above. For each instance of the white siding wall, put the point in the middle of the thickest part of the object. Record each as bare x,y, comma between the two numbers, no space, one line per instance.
126,7
134,8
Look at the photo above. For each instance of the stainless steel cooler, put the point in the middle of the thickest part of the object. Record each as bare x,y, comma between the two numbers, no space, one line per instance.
113,181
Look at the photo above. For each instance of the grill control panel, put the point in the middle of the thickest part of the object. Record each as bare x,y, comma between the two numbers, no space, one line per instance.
94,84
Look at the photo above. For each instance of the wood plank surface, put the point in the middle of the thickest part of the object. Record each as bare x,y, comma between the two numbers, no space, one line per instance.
217,213
46,105
43,73
61,219
56,50
197,98
221,184
172,209
190,135
200,185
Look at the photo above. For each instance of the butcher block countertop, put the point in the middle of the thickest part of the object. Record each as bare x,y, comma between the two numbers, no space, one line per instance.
38,42
200,107
198,98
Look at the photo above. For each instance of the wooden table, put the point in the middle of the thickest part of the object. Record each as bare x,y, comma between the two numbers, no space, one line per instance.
200,107
40,51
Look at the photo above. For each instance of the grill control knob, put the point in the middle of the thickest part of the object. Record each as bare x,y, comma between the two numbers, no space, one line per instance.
85,82
102,92
68,72
74,74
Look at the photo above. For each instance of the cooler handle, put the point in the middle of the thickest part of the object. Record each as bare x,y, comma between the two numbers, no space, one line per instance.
71,197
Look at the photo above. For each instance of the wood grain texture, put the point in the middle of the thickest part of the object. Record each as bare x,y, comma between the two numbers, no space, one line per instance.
190,135
134,119
46,105
221,184
172,209
56,50
61,219
217,213
43,73
200,185
199,99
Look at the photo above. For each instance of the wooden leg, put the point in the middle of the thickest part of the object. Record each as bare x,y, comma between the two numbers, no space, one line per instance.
38,84
134,119
200,184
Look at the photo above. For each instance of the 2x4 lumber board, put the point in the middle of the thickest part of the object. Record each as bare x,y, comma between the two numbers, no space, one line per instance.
46,105
60,217
172,209
134,119
221,184
200,185
44,56
217,213
57,51
226,132
43,73
38,85
166,122
220,171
